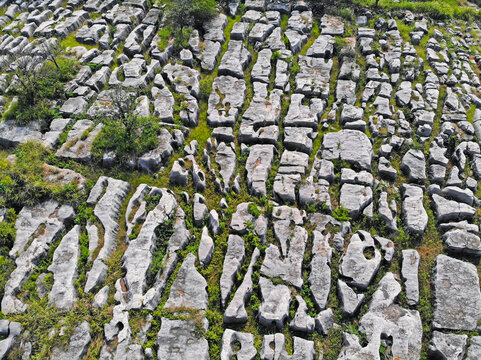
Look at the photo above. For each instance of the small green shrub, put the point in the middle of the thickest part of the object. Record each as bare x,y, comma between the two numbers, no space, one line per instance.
253,210
205,88
341,214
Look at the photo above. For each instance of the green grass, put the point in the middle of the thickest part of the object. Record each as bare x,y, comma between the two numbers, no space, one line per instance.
436,9
70,41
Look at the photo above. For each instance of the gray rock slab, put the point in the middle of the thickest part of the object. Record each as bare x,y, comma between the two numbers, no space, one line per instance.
189,288
457,296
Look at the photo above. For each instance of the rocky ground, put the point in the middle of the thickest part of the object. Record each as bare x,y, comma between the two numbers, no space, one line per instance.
313,195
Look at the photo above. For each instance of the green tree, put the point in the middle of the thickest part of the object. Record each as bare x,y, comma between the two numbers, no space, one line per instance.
181,13
125,133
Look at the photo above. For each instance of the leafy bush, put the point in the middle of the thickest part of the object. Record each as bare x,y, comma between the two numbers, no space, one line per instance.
124,133
165,35
38,87
180,13
120,138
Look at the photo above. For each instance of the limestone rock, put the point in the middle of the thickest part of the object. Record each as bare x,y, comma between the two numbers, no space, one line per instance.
457,297
189,288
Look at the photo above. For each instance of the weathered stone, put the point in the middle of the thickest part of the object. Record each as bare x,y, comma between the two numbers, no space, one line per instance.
235,60
286,263
322,47
449,210
178,339
64,269
414,165
354,265
74,106
313,77
226,159
225,101
242,217
78,345
245,341
76,147
189,288
10,332
415,216
213,222
183,79
384,317
236,311
332,25
233,260
474,350
101,298
457,296
350,300
206,248
462,241
37,227
273,347
260,32
258,165
409,272
351,146
275,301
447,346
262,68
200,210
356,198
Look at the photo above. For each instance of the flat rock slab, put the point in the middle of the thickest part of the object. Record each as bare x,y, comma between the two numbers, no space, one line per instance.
354,265
462,241
457,300
189,288
274,309
332,25
258,165
415,216
351,146
313,76
447,346
409,272
178,339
